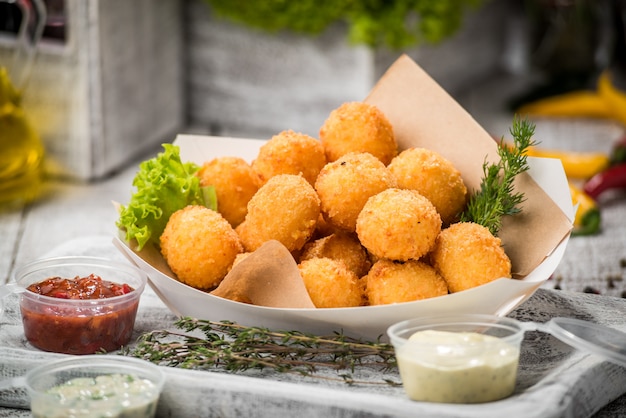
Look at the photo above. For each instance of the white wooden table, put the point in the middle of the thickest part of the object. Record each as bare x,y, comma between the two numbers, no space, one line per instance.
67,211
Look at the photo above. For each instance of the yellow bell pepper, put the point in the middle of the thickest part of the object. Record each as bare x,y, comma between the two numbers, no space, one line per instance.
587,220
614,98
605,102
577,165
586,104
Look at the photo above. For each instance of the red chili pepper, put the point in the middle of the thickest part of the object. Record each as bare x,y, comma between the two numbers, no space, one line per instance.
611,178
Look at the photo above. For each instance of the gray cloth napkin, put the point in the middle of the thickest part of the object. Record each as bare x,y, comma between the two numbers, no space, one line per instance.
554,380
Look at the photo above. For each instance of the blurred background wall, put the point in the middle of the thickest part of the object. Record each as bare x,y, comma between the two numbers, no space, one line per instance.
115,78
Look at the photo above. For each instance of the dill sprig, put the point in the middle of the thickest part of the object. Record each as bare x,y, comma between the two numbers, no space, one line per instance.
235,348
496,197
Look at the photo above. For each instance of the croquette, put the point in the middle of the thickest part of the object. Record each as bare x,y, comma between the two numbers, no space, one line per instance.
286,209
330,283
290,152
434,177
358,127
235,183
467,255
345,185
394,282
398,224
199,246
339,246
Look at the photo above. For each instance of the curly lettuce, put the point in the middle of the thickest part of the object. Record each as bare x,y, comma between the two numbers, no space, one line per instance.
164,185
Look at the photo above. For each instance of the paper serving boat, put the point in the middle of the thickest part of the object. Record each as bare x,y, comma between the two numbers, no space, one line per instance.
422,115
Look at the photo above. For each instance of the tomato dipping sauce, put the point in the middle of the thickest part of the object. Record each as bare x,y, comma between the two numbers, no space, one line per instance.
82,315
89,287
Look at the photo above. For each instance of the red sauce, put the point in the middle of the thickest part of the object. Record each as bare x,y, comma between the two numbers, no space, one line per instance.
81,329
89,287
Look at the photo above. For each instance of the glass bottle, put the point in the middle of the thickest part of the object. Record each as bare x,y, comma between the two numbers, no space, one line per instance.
21,148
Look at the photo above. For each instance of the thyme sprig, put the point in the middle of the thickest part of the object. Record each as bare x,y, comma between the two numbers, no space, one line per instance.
236,348
497,197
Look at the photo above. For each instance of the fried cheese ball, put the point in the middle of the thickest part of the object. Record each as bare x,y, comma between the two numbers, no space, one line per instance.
467,255
394,282
398,224
330,283
286,209
358,127
434,177
235,183
339,246
199,246
290,152
345,185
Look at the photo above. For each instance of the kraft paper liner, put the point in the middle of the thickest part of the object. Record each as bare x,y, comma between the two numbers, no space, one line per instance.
424,115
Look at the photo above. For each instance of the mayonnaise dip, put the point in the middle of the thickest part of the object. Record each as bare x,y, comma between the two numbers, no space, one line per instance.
457,367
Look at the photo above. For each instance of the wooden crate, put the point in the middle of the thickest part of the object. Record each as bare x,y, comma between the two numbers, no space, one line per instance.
112,90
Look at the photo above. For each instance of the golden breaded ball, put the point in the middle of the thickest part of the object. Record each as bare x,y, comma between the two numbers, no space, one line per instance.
330,283
394,282
358,127
235,183
290,152
467,255
341,246
286,209
345,185
434,177
398,224
199,246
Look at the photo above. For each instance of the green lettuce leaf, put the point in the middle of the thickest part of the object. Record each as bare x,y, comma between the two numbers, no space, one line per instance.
164,185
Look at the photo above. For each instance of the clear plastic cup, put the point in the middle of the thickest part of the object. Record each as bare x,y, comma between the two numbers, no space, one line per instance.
458,359
79,326
95,385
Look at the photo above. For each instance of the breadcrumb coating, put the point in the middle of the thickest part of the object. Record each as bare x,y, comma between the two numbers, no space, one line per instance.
398,224
434,177
467,255
339,246
345,185
394,282
330,283
200,246
286,209
290,152
358,127
235,183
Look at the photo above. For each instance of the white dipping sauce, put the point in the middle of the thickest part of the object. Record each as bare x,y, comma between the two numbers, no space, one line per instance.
115,395
457,367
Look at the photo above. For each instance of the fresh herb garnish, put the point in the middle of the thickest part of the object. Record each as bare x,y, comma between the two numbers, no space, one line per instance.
164,185
236,348
496,197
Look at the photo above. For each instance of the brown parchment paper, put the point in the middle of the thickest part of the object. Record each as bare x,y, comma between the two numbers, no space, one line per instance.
267,277
424,115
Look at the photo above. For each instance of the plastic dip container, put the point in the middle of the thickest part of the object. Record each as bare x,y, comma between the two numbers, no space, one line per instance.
79,326
95,386
474,358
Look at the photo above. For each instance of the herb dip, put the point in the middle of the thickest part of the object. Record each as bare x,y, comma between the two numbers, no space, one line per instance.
111,396
457,367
